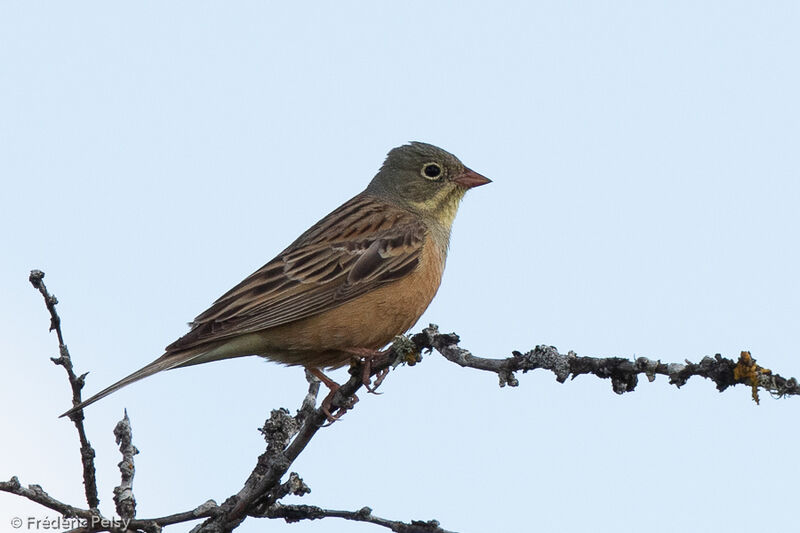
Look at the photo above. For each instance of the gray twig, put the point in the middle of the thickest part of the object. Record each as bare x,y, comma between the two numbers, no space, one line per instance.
76,382
123,493
93,518
622,372
35,493
295,513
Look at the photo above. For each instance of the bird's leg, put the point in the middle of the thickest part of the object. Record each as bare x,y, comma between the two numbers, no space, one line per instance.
327,402
367,355
379,377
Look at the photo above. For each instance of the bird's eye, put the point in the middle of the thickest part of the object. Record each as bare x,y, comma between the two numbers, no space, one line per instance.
431,171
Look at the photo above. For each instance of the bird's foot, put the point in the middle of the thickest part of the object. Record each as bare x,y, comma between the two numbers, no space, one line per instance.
366,356
379,377
327,402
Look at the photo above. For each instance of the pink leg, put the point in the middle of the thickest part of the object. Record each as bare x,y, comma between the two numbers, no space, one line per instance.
367,355
327,402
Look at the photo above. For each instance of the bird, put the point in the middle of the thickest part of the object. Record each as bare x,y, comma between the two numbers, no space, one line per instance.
347,286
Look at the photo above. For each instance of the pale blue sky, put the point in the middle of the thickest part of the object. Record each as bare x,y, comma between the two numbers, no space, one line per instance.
645,164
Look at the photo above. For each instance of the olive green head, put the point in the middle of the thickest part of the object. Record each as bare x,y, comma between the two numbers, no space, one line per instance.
426,180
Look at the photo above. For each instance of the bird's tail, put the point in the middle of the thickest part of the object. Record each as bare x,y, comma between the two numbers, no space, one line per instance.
165,362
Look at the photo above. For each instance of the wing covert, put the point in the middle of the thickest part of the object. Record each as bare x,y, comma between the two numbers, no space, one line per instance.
360,246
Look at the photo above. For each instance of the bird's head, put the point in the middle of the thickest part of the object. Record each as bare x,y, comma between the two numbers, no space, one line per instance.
426,180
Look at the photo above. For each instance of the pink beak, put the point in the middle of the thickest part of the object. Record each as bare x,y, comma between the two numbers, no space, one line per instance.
469,179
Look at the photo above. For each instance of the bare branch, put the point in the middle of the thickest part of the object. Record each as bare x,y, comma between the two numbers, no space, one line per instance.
123,494
622,372
295,513
209,508
76,382
35,493
271,466
98,522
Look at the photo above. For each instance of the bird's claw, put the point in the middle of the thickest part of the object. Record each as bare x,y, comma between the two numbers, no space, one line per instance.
379,377
366,374
327,404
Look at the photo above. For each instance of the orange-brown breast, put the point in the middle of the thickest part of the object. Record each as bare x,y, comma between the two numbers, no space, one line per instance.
369,321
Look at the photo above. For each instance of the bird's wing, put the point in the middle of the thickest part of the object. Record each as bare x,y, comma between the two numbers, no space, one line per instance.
360,246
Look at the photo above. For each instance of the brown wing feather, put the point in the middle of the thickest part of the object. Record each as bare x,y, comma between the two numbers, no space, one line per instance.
361,245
